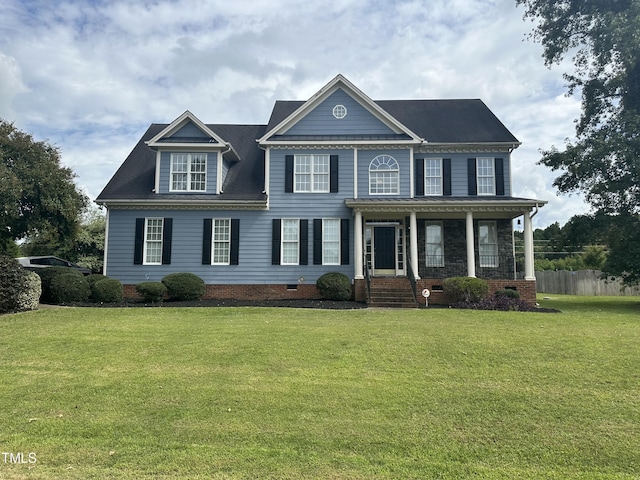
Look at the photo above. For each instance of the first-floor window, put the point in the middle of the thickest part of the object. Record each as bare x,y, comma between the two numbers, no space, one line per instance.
331,241
221,241
488,244
290,241
153,241
435,245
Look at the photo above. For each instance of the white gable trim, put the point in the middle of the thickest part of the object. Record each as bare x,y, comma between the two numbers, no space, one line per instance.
339,82
180,122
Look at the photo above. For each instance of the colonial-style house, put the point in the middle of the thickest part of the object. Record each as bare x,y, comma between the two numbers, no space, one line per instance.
396,194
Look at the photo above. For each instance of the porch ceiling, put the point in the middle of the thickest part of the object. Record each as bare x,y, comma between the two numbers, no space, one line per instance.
447,207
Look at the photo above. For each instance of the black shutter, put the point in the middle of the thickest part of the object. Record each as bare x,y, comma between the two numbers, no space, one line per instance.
419,173
275,242
167,237
235,241
333,173
288,173
446,176
344,241
499,166
471,174
304,242
317,241
206,241
138,246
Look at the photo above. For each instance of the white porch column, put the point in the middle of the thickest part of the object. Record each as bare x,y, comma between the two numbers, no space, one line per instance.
413,243
357,234
529,271
471,258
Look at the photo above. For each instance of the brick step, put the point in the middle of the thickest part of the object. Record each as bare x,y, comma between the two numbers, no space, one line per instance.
393,292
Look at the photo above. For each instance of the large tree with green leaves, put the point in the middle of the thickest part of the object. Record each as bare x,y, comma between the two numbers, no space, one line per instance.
38,196
603,161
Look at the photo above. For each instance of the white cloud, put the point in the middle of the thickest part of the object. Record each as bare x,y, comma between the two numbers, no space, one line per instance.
91,76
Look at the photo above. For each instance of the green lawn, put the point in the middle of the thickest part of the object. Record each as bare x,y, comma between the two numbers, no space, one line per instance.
253,393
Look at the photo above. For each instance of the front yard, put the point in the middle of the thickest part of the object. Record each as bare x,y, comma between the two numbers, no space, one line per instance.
233,393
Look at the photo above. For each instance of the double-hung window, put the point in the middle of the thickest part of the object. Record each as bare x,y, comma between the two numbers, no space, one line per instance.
331,241
153,241
488,244
188,172
290,241
384,174
433,176
485,176
221,241
311,173
434,245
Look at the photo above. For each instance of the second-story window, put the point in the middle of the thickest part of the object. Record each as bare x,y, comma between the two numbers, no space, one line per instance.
311,173
188,172
433,176
384,174
486,176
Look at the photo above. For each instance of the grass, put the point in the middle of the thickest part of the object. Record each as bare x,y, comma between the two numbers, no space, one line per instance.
230,393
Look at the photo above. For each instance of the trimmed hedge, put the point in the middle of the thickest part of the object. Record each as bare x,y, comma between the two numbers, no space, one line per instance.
184,286
95,278
151,291
107,290
47,275
334,286
69,288
465,289
508,293
19,288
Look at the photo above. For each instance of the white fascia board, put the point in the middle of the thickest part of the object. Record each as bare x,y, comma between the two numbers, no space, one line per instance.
179,123
338,82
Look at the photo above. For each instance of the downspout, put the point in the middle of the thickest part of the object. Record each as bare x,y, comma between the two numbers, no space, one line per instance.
220,164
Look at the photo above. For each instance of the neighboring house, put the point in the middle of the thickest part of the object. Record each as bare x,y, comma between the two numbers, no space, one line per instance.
417,189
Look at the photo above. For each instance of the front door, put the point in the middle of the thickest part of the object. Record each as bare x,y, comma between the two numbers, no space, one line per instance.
384,245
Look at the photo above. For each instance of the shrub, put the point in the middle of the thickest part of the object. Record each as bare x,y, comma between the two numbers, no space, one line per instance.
500,302
17,287
107,290
184,286
94,278
465,289
334,286
151,291
29,298
69,287
47,275
507,292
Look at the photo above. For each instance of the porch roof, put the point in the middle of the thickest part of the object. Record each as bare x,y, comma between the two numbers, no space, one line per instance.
448,207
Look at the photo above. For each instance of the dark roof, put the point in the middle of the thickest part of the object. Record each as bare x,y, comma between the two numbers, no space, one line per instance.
135,179
437,121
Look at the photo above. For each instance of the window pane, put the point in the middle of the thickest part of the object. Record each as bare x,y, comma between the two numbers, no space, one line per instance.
433,176
290,228
221,241
331,241
434,245
488,244
153,241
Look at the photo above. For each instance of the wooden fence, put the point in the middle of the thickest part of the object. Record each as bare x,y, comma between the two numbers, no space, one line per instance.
581,282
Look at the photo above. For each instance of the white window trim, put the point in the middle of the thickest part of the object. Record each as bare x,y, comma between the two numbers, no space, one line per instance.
493,176
397,170
439,160
339,111
283,241
312,174
493,264
337,241
147,241
213,241
189,172
426,244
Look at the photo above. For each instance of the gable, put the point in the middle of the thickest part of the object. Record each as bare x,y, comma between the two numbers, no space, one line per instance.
189,132
357,120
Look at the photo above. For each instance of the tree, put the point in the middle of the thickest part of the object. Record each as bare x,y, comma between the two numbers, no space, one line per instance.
37,195
603,161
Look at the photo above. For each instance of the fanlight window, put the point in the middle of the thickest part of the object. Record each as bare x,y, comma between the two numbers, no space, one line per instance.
384,173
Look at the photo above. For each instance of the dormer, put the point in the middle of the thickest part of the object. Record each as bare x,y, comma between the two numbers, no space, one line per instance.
190,158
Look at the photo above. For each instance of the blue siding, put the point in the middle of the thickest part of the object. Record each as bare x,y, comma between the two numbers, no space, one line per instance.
321,121
165,172
190,130
254,249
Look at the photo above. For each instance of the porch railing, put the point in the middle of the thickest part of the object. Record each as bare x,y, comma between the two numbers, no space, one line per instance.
367,276
487,266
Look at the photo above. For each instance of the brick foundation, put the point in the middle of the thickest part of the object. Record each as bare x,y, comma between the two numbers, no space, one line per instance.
250,292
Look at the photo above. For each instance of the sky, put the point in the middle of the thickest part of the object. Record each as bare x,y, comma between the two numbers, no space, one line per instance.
90,76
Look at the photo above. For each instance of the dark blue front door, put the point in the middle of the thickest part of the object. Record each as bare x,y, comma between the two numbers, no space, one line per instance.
384,243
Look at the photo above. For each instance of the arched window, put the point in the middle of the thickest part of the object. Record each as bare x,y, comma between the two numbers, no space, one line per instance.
383,176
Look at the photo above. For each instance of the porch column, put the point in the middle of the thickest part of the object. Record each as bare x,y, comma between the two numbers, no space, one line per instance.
413,244
471,260
529,271
357,233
